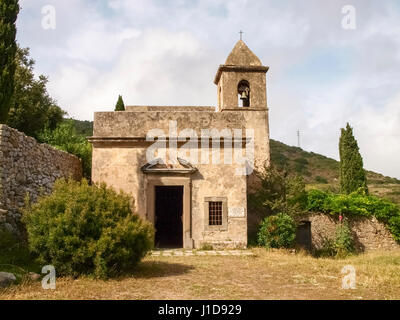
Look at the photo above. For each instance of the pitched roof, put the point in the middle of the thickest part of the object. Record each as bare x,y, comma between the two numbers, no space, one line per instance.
241,55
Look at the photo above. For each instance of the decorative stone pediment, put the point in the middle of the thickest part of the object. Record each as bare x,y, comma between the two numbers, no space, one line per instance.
159,166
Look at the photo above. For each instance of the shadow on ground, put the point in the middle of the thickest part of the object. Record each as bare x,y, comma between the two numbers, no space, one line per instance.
156,269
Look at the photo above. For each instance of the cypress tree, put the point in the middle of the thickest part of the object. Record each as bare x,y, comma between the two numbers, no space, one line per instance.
352,173
120,106
9,10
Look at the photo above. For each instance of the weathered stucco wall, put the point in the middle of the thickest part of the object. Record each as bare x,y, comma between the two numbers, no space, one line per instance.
139,123
219,181
129,124
120,167
368,234
120,150
28,167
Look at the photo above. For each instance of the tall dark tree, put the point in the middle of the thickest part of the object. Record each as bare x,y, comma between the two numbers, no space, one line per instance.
352,173
32,109
120,104
9,10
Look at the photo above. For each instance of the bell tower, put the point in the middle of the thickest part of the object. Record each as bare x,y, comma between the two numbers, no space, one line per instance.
241,81
242,89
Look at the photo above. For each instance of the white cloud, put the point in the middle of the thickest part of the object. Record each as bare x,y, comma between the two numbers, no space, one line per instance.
153,68
96,44
379,136
167,53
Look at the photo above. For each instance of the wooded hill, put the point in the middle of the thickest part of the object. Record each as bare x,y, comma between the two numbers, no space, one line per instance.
323,172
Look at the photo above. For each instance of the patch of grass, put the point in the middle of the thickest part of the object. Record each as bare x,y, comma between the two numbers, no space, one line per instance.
15,257
388,191
207,247
320,179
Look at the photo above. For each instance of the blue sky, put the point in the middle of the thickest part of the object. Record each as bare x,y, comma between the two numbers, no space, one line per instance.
167,52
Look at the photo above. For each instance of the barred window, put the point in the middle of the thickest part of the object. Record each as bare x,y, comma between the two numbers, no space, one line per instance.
215,213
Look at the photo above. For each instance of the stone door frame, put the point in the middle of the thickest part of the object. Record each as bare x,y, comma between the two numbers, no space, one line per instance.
185,182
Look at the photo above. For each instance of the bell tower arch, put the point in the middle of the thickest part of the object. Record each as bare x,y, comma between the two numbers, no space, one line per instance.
241,81
244,94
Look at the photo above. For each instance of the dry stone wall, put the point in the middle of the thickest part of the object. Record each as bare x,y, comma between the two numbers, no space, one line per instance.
27,166
368,234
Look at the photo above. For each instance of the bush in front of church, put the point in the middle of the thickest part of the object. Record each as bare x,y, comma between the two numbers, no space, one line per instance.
277,231
84,229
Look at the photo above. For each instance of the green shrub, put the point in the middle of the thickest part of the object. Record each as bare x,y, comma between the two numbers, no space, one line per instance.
343,242
15,256
356,204
316,199
340,246
394,227
207,247
279,192
300,165
302,161
296,195
279,160
271,197
278,231
66,138
13,250
86,229
320,179
327,249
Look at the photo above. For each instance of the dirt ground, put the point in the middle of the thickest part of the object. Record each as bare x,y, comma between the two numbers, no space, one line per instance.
265,275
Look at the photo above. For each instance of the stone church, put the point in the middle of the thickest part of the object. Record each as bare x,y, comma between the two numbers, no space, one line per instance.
189,169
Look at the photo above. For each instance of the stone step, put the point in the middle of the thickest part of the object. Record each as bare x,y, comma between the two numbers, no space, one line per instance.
180,253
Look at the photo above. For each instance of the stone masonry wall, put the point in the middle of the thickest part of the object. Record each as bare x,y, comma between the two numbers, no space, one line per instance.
27,166
368,234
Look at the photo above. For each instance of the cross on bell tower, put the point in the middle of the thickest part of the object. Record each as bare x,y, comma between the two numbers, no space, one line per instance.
241,33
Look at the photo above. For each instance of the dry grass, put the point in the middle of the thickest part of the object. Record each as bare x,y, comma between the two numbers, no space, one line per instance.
267,275
388,191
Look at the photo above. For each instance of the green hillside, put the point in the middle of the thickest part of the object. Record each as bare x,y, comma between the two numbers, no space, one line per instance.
84,128
323,172
317,170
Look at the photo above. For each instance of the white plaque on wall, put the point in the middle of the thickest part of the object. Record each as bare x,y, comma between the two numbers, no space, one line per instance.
236,212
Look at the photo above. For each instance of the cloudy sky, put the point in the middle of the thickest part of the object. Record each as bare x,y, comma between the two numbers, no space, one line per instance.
166,52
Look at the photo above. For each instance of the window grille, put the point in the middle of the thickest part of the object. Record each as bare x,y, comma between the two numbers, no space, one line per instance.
215,213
